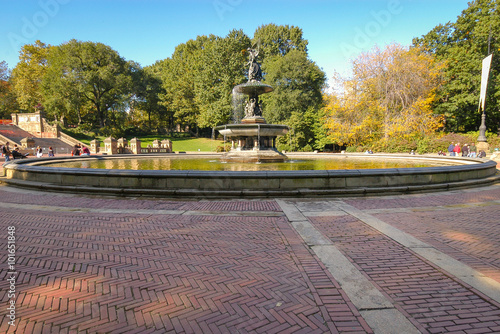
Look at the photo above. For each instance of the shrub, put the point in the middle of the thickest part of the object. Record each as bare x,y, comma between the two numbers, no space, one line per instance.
283,147
223,148
307,148
426,145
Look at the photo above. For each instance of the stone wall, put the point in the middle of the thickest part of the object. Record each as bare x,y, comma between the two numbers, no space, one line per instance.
31,122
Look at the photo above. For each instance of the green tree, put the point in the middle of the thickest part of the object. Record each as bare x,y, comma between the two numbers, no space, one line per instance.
297,83
146,99
8,103
178,81
88,74
307,131
463,44
220,70
28,74
199,77
274,40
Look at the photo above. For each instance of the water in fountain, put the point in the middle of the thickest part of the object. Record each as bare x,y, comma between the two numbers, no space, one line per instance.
239,101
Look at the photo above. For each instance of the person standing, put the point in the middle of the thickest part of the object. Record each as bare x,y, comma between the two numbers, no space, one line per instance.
457,149
472,151
51,151
465,150
450,149
6,152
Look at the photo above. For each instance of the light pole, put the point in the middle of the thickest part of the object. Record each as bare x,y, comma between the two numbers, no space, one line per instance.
482,98
481,139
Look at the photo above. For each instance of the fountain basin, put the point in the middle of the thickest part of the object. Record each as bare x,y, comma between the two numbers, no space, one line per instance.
31,173
252,130
253,88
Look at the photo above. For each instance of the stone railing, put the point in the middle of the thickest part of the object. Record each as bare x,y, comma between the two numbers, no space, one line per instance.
148,150
4,139
122,146
69,140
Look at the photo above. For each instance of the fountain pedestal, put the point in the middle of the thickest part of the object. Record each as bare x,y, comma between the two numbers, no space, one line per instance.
253,142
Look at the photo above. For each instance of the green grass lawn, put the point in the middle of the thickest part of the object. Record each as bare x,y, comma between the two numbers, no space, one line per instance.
178,144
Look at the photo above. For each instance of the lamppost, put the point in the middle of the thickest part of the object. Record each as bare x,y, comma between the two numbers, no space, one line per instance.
481,139
482,128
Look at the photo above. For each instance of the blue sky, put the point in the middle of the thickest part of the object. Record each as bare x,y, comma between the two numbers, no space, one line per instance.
149,30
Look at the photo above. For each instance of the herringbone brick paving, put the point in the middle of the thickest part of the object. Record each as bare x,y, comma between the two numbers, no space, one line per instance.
427,200
470,236
102,272
117,273
138,204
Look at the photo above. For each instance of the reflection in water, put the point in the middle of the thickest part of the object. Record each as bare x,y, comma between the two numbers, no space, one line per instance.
107,164
172,163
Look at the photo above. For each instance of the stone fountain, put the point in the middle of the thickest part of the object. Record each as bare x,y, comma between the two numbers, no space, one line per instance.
253,140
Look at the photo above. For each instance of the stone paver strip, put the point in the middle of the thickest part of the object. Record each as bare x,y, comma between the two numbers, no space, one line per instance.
377,309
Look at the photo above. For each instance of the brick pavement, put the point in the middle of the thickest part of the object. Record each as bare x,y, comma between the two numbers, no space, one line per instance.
89,264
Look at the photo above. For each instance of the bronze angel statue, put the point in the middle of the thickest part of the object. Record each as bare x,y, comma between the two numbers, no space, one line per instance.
254,71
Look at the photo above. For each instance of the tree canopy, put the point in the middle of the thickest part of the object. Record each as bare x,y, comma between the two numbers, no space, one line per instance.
28,74
274,40
8,103
297,83
394,92
199,77
463,45
389,95
87,74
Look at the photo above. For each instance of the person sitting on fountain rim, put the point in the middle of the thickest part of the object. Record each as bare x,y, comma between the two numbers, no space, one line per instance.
472,151
85,150
75,151
465,150
16,154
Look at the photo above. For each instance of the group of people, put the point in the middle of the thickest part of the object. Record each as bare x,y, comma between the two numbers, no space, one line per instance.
15,153
455,150
80,150
39,152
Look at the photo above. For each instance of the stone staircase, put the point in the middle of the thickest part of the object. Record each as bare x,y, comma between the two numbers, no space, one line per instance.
14,134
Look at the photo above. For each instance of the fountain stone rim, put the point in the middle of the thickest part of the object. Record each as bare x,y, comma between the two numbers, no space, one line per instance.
32,174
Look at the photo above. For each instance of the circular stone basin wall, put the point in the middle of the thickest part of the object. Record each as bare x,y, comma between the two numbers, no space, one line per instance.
466,172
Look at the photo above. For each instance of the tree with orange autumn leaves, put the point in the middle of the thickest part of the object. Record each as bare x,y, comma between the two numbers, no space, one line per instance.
389,96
